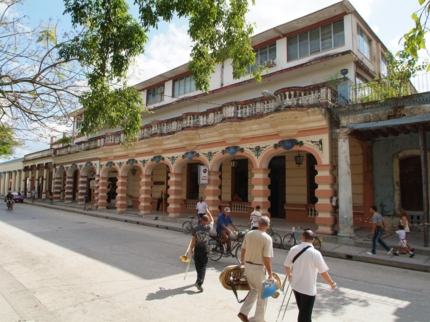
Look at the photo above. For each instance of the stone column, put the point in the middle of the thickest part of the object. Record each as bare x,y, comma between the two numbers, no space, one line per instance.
212,192
7,183
57,187
121,197
345,186
2,184
13,184
19,181
69,189
325,180
44,184
175,190
82,189
102,193
145,194
261,190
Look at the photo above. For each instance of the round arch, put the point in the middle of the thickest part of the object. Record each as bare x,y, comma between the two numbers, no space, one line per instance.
180,164
268,155
219,159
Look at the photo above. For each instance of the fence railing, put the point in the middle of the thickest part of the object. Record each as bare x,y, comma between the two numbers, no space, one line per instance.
382,90
40,154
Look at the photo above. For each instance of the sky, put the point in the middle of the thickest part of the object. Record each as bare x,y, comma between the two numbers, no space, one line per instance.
169,46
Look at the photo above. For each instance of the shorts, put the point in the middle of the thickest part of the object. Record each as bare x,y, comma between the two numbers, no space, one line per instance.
403,243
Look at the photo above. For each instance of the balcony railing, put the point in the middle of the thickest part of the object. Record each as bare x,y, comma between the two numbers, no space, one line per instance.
297,97
37,155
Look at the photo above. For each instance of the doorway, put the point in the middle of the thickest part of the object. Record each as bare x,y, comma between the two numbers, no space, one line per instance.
411,188
277,187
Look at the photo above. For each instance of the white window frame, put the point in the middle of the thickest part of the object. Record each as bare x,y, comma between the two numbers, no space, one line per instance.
384,69
183,85
262,55
364,43
153,96
311,42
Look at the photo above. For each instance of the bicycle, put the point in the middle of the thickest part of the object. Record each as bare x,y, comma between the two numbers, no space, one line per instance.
217,250
188,225
276,238
292,239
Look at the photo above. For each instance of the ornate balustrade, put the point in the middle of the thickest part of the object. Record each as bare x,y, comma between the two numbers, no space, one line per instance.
40,154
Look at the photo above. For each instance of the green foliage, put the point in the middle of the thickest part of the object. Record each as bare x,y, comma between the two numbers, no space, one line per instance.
7,141
415,38
64,140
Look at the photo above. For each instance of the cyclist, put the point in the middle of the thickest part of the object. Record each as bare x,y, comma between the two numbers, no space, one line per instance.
9,200
224,219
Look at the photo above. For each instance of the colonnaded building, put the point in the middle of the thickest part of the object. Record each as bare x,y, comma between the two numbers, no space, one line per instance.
307,144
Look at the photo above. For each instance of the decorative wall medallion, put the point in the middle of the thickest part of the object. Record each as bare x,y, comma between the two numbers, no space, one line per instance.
172,159
318,144
101,166
80,166
73,166
258,150
131,161
210,155
61,167
110,164
287,144
120,164
66,168
143,162
232,150
88,164
157,158
190,155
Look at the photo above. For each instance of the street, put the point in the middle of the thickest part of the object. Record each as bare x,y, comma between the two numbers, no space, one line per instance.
59,266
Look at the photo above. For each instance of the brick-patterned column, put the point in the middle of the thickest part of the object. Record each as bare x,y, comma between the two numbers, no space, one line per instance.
57,188
261,190
212,192
96,192
102,193
326,217
69,189
145,194
121,197
175,190
82,189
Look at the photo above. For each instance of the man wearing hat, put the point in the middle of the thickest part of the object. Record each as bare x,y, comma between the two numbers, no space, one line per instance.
224,219
255,218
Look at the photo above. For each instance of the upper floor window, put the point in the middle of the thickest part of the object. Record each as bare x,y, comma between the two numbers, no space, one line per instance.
155,95
183,86
384,70
316,40
364,43
262,57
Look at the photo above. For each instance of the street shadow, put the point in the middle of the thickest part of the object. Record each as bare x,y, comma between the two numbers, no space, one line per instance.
164,293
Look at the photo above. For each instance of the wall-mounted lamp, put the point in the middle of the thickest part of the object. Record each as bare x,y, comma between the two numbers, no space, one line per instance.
133,171
234,163
299,159
266,93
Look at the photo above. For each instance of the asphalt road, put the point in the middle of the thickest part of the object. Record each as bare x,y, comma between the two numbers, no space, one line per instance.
59,266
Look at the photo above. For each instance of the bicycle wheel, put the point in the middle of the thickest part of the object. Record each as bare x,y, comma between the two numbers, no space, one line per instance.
289,241
238,254
214,252
277,240
186,227
317,243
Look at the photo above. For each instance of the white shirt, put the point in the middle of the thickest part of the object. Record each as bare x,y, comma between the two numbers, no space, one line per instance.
201,207
305,269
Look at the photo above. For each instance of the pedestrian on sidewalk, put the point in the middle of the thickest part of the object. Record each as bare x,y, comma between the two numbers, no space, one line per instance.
257,251
378,227
199,247
86,202
302,264
33,194
255,218
404,220
51,197
201,208
403,244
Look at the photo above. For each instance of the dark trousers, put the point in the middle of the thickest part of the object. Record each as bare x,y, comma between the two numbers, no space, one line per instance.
159,200
201,261
377,237
305,303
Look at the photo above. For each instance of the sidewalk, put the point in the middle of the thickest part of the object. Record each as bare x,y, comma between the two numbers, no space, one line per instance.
332,246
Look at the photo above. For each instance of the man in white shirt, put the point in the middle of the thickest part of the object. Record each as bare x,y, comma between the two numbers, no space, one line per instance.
201,208
255,218
302,265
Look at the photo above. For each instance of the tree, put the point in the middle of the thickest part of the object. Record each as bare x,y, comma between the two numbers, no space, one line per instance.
415,38
111,38
7,141
38,89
